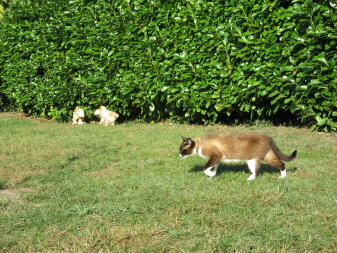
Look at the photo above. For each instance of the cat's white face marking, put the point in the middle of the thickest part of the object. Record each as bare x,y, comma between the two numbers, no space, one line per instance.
252,168
211,173
283,174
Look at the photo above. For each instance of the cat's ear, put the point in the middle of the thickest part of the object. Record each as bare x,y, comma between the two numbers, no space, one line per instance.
187,140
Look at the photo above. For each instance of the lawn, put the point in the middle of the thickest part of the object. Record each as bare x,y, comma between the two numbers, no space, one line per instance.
124,189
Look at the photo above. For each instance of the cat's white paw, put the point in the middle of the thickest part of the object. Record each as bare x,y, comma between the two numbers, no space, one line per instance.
283,174
251,177
209,172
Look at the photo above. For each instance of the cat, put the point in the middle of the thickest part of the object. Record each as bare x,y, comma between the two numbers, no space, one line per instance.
78,116
250,147
106,117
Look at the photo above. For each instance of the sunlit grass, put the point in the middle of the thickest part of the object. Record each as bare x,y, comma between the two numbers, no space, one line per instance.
124,189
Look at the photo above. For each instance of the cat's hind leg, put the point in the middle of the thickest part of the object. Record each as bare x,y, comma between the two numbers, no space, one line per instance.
254,167
281,166
277,163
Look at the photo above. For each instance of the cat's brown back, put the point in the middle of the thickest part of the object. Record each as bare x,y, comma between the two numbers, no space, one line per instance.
239,146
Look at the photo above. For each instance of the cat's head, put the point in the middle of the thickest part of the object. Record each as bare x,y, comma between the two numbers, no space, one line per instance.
100,110
187,147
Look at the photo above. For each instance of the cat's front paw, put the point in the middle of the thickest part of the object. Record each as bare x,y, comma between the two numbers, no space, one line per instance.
209,172
251,177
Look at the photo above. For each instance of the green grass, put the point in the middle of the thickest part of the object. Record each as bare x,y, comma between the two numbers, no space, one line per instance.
124,189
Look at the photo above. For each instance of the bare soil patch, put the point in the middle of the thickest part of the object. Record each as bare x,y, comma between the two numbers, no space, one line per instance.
14,195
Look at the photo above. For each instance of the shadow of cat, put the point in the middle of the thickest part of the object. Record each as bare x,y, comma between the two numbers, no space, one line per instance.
223,168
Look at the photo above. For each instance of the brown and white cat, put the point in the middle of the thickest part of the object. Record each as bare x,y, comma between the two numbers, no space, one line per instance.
107,117
78,116
250,147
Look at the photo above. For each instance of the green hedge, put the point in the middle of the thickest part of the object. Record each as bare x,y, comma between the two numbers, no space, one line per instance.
194,60
3,4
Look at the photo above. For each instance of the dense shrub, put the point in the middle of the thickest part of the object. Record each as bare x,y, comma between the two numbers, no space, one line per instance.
201,61
3,5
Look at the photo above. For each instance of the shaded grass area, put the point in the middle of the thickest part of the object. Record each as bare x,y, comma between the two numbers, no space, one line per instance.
124,189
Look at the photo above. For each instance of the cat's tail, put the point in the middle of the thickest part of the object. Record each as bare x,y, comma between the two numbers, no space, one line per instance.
282,156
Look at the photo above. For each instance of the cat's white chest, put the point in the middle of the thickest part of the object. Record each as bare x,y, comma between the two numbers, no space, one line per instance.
199,152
